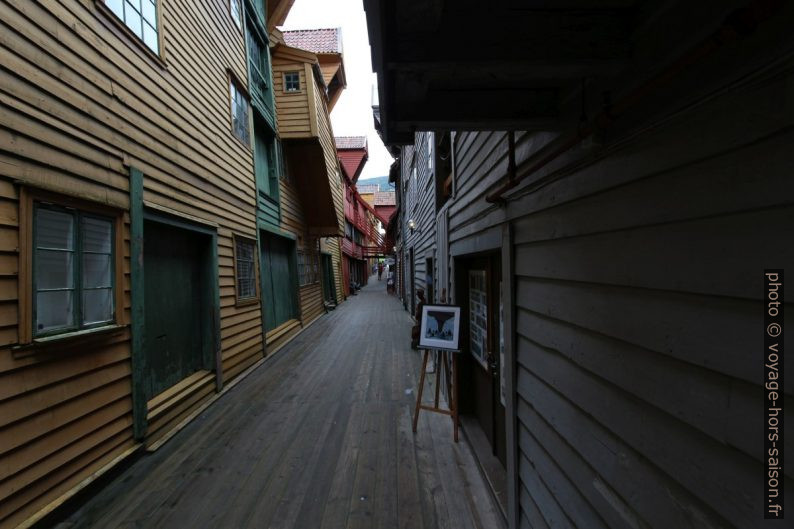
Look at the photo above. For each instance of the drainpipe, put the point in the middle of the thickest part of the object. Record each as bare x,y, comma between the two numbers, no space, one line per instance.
739,23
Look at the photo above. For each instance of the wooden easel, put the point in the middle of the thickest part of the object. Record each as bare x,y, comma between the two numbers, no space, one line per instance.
452,388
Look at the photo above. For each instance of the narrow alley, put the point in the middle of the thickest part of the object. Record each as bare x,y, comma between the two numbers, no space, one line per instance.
317,436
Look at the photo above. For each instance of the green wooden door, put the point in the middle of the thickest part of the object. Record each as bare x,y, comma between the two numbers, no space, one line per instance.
278,280
173,301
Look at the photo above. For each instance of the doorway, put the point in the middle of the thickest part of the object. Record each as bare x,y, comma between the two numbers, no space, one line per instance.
329,288
178,330
279,280
482,391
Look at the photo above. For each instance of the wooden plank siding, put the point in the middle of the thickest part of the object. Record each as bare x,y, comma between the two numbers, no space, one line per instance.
292,108
326,136
293,220
637,279
302,118
420,206
81,102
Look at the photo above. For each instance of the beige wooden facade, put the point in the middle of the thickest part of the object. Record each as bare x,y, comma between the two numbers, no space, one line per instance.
314,179
84,103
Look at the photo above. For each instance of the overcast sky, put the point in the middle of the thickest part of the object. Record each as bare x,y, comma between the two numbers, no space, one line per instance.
352,115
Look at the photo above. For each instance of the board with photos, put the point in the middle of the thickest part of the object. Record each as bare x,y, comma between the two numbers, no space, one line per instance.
478,316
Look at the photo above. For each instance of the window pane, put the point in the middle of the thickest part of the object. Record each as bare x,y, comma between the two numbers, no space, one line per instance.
132,19
245,279
54,310
246,287
149,12
54,269
235,9
54,229
97,235
96,270
97,306
239,115
245,251
150,37
117,6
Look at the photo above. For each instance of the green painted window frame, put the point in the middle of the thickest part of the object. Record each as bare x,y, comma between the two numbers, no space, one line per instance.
77,278
259,68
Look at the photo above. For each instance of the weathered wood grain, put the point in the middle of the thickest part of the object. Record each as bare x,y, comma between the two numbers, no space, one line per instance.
318,436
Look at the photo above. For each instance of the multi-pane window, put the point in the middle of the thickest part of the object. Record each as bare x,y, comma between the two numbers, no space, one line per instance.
244,252
308,267
72,270
240,121
292,82
257,55
237,12
141,17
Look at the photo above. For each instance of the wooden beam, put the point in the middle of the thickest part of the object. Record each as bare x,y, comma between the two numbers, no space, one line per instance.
136,272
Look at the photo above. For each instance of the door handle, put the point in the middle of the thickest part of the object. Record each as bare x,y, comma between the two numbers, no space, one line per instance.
491,359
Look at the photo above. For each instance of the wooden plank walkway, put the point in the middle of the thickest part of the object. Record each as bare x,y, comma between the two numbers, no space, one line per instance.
317,437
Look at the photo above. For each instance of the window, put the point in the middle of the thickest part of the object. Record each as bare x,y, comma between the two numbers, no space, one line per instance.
240,113
140,16
73,269
292,82
429,150
308,267
257,55
237,13
245,268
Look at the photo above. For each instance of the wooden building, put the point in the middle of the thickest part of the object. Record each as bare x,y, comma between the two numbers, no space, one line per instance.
417,222
607,246
129,285
308,77
360,223
385,203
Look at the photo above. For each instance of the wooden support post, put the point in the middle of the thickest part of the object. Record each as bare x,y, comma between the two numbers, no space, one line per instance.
421,389
438,378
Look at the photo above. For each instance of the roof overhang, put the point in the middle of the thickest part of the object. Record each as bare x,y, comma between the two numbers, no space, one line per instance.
277,11
509,64
308,170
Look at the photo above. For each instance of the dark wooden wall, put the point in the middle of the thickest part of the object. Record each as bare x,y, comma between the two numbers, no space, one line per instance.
419,205
638,283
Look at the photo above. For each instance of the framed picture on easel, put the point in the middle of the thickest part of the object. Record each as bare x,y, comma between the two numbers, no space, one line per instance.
440,327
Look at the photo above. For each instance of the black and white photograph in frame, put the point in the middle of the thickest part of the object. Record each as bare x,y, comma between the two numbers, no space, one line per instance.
440,327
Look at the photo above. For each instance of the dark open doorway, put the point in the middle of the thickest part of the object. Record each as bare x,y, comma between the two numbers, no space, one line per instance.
482,404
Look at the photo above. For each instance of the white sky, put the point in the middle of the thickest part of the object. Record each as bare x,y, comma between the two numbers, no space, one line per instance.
352,115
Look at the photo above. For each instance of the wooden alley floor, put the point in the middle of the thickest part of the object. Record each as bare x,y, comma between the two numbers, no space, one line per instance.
319,436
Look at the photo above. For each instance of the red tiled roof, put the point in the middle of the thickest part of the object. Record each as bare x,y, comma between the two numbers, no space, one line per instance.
351,142
385,198
327,40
